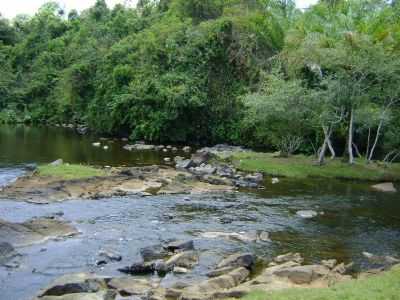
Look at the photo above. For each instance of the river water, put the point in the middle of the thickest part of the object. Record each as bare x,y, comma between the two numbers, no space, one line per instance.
355,218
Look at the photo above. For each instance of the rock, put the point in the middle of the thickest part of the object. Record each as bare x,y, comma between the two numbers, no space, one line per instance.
256,178
167,159
82,129
204,170
187,149
128,286
178,158
220,271
139,147
200,157
34,231
187,259
75,283
385,187
303,274
105,147
180,270
307,214
329,263
161,267
216,180
242,236
245,183
264,236
383,260
153,252
289,257
174,149
97,144
207,288
179,245
139,268
57,162
109,255
7,253
275,180
102,295
184,164
246,260
225,171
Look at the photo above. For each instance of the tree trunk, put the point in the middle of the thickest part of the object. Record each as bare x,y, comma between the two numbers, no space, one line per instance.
333,153
368,144
350,138
327,143
378,133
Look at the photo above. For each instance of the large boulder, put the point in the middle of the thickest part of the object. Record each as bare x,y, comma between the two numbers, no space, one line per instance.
184,164
102,295
186,259
153,252
200,157
127,286
246,260
294,257
208,289
74,284
303,274
34,231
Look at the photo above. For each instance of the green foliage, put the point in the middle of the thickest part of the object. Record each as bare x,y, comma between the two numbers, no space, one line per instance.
204,71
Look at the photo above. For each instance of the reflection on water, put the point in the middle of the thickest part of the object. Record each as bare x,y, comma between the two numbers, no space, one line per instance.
24,144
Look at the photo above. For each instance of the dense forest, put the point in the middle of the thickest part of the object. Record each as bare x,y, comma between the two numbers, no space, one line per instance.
262,73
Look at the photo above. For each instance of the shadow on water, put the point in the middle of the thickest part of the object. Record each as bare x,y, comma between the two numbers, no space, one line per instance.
354,219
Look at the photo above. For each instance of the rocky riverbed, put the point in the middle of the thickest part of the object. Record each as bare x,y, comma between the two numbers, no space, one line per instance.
191,228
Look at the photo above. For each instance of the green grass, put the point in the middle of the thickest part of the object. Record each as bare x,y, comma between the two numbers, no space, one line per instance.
381,287
69,172
300,166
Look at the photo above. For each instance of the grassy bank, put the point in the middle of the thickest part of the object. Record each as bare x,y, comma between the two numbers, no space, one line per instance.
300,166
69,172
381,287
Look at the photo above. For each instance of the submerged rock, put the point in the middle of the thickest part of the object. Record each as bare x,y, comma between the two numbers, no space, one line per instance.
180,246
7,253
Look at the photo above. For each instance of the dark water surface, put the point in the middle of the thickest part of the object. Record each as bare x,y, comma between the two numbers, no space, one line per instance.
355,219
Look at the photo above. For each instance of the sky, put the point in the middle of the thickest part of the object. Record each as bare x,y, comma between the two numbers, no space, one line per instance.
11,8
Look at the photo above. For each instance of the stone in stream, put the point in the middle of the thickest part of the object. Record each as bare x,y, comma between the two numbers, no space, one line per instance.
75,283
200,157
179,245
110,255
153,252
7,253
289,257
307,214
186,259
385,187
139,268
128,286
184,164
246,260
34,231
102,295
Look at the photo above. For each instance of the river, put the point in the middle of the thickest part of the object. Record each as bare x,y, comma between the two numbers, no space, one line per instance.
355,218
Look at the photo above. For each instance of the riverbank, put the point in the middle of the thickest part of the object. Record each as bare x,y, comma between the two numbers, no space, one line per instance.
300,166
379,287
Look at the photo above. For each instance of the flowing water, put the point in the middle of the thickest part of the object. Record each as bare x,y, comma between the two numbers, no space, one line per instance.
355,218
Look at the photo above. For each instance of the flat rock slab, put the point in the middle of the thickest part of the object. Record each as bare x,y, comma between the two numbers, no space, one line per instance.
34,231
385,187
